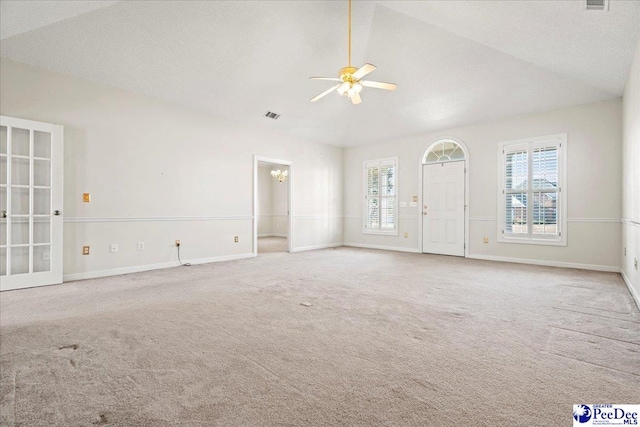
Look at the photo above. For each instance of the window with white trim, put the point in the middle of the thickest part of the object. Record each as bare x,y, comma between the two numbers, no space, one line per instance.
380,196
532,194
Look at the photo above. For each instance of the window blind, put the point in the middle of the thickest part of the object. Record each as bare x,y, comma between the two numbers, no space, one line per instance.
380,196
530,196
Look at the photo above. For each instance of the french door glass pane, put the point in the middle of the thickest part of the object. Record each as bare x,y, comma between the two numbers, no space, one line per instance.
41,258
3,231
42,230
3,261
20,142
19,260
3,140
41,201
3,170
19,201
3,199
20,231
42,144
42,172
19,171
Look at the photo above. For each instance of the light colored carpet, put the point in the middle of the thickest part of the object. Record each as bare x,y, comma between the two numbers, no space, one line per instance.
268,245
390,339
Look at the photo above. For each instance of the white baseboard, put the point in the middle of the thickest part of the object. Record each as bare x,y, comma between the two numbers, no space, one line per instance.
384,248
312,248
547,263
272,235
632,291
148,267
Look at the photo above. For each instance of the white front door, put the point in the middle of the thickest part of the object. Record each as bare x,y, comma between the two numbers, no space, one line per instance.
30,203
443,208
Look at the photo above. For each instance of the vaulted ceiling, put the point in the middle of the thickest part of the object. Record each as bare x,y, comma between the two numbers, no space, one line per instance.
455,62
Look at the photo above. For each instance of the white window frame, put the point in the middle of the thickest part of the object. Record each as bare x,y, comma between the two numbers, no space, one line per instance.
529,144
379,163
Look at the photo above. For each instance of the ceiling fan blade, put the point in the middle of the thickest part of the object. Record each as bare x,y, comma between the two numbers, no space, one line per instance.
326,92
363,71
325,78
355,98
379,85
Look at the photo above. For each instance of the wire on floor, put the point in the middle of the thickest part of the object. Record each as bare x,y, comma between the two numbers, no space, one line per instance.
186,264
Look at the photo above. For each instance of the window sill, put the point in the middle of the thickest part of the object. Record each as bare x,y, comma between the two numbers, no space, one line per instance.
526,241
381,233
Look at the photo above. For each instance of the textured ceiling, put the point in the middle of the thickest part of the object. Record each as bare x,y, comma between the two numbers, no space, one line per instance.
20,16
455,62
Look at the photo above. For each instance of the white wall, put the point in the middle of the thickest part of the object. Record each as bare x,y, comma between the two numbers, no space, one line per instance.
594,182
272,202
158,172
631,178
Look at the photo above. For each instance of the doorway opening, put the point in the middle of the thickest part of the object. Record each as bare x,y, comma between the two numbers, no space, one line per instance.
272,206
444,194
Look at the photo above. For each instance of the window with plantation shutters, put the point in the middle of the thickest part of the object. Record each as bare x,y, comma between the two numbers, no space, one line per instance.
532,195
380,196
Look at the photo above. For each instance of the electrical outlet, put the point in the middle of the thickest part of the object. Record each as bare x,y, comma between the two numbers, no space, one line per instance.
85,250
86,197
177,243
235,239
114,248
486,239
46,256
406,235
141,246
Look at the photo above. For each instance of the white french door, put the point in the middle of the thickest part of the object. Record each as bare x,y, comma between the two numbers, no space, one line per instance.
30,203
443,208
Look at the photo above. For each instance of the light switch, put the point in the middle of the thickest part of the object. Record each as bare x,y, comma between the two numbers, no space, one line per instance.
86,197
114,248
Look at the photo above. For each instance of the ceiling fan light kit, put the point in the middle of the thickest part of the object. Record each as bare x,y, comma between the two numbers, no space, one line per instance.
350,78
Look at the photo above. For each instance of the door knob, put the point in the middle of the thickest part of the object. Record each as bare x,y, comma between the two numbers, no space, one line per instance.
4,214
57,213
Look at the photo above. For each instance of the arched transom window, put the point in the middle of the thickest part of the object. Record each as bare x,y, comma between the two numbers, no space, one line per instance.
444,151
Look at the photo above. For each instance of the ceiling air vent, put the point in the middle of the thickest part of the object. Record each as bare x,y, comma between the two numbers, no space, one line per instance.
597,4
271,115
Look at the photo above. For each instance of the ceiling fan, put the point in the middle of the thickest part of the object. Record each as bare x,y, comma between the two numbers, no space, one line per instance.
350,78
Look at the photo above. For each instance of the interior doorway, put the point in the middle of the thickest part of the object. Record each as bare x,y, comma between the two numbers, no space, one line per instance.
272,206
444,220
